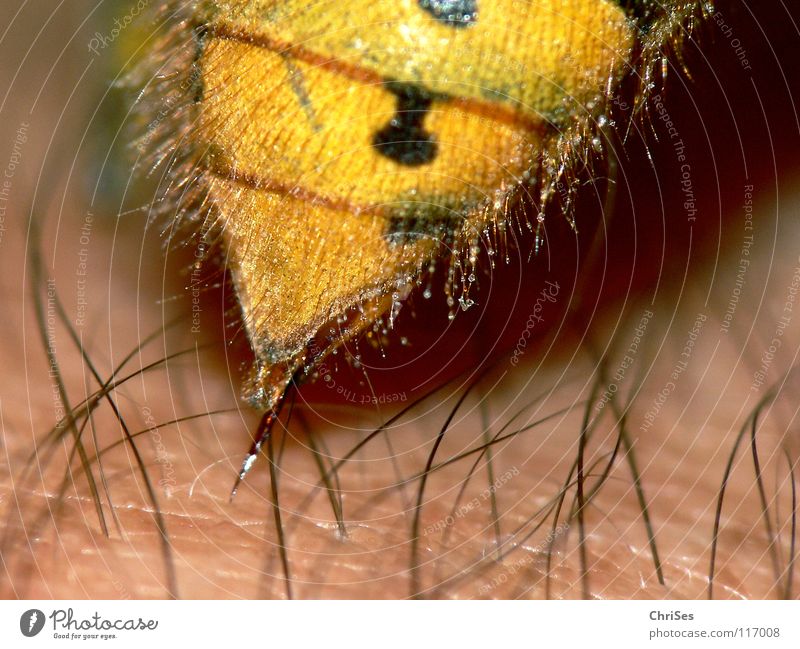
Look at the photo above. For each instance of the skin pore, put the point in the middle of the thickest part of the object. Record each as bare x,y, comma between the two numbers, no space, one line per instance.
640,347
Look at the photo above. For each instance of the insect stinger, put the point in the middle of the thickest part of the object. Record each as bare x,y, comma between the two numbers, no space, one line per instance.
264,429
262,434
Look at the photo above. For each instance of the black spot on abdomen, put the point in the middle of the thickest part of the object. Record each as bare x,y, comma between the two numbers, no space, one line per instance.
419,217
404,139
456,13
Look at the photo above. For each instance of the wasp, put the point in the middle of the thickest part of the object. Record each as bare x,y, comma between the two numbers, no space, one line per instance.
342,147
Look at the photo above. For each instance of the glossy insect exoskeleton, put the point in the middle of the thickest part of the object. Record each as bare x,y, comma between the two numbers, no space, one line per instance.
342,145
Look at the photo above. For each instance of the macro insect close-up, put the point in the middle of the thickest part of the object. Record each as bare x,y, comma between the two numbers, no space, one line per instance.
383,299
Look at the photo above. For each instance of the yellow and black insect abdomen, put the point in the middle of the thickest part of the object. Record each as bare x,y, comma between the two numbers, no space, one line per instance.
345,141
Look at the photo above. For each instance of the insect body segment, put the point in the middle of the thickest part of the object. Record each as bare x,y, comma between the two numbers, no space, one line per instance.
327,123
347,143
309,204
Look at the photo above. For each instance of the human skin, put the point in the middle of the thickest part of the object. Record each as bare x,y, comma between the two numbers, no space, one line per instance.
53,540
